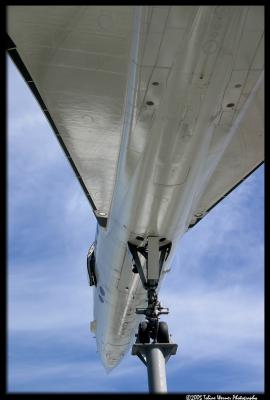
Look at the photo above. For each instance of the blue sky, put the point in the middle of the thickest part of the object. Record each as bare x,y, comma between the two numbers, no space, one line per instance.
215,290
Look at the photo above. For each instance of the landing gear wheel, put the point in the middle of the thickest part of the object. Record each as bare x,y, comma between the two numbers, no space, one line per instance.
143,334
163,333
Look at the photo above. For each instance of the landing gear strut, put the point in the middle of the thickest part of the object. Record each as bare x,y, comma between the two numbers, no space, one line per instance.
152,345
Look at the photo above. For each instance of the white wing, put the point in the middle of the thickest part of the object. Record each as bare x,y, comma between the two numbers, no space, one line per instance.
77,60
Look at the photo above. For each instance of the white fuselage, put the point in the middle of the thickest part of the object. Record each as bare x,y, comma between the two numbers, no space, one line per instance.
158,188
160,112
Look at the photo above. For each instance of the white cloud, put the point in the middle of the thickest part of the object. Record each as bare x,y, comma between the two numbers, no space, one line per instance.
219,325
215,288
49,296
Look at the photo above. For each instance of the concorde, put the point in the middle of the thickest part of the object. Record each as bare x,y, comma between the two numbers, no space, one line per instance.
160,111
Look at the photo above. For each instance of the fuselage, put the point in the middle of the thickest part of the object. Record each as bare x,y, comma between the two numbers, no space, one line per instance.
158,186
159,110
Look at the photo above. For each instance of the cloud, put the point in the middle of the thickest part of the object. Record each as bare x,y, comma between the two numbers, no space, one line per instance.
215,292
217,324
214,317
82,376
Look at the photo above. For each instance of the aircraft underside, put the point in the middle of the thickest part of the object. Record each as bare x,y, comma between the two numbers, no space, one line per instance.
159,197
160,113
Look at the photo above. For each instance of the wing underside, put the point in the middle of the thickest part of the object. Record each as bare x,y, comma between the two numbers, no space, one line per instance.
76,60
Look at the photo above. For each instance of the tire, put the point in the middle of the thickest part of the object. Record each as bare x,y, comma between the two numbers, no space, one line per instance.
163,333
143,334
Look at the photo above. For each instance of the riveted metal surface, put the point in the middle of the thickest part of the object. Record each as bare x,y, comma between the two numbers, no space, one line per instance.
157,168
78,58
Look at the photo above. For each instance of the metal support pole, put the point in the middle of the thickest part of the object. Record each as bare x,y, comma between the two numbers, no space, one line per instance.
156,370
155,356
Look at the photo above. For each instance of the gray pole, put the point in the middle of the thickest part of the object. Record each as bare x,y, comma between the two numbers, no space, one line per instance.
156,370
155,356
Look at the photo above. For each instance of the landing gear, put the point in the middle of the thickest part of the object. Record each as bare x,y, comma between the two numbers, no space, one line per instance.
159,333
152,345
163,333
143,335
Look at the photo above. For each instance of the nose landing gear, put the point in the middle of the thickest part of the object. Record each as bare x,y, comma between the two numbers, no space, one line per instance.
153,345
